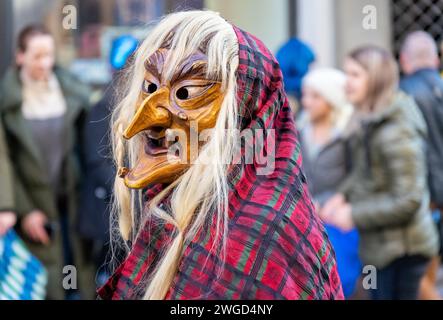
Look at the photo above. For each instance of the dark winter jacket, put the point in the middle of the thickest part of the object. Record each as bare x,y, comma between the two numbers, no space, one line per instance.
426,87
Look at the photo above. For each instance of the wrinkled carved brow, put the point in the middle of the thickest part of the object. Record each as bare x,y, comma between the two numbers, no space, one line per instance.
154,64
194,66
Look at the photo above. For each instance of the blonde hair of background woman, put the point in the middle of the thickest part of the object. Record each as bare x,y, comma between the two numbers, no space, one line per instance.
383,76
203,189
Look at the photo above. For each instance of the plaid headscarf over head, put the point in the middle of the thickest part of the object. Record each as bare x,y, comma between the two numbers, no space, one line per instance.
277,247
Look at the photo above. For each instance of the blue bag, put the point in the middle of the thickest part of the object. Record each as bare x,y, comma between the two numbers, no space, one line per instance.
22,276
349,265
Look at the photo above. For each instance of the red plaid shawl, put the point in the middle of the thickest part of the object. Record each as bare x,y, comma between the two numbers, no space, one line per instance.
277,247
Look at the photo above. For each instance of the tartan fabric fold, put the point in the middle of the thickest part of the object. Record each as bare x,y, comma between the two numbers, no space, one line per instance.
277,247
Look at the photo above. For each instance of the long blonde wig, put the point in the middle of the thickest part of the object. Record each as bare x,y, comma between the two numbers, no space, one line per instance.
200,195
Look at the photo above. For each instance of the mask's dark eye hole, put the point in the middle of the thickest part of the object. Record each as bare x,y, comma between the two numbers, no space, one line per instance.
182,93
149,87
152,88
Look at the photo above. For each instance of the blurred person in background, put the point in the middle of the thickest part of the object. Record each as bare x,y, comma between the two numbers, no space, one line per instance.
42,109
8,218
295,58
386,195
322,125
97,186
420,62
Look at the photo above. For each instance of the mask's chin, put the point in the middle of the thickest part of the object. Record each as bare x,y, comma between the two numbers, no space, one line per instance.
154,166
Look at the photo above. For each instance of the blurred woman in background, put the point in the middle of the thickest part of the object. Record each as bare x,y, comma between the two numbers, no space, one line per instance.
42,109
386,195
322,125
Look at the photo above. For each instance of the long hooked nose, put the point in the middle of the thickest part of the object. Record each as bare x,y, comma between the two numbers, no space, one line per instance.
152,112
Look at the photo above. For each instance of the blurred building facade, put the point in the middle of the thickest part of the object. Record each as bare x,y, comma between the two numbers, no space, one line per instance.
330,27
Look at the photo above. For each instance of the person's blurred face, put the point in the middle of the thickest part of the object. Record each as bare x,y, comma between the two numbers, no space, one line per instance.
38,59
409,65
315,105
357,82
405,64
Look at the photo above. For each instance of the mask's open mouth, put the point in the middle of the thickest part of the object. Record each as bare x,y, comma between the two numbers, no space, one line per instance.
155,146
156,142
155,163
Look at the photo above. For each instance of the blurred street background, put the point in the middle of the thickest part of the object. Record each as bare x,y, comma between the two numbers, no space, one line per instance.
330,27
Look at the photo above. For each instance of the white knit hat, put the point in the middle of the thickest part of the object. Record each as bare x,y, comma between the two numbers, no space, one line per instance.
330,84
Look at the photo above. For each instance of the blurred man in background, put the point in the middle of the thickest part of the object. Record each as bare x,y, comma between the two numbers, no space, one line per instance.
419,62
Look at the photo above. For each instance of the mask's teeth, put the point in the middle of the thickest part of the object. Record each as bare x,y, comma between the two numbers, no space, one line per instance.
168,139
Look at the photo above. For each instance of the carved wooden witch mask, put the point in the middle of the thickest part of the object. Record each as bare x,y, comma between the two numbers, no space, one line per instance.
170,109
